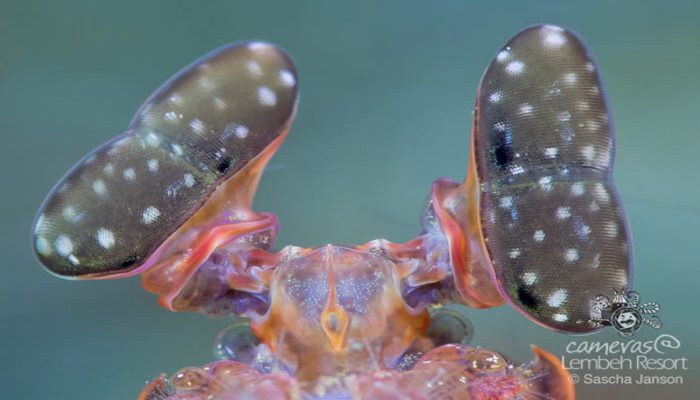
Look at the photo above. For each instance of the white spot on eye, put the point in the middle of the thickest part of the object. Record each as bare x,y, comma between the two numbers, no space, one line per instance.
287,78
526,109
552,92
564,116
129,174
553,37
206,84
593,125
560,317
571,255
152,139
42,246
538,235
506,202
551,152
64,246
172,189
105,238
220,153
241,131
491,216
153,165
114,149
175,99
254,68
529,278
197,126
219,103
189,180
546,183
502,55
172,116
517,170
266,96
150,215
583,231
108,169
39,224
590,67
495,97
515,67
563,212
557,298
99,187
257,45
514,253
570,78
177,149
567,134
619,277
611,229
69,213
577,189
500,126
601,193
588,152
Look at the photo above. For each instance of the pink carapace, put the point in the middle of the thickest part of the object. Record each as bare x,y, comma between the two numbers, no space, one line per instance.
537,223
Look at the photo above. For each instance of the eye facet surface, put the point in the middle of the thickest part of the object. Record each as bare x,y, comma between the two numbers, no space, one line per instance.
551,218
119,204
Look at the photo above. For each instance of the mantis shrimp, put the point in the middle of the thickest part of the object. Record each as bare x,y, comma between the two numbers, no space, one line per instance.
537,223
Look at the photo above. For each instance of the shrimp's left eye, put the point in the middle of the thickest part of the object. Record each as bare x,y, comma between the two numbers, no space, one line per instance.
119,204
551,218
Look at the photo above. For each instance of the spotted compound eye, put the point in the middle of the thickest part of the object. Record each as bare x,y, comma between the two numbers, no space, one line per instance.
120,203
551,218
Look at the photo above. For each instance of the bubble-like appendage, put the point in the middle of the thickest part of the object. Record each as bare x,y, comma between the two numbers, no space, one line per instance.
236,342
222,380
449,324
463,372
447,372
188,379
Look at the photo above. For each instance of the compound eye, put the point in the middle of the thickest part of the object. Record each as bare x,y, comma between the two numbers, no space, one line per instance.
552,220
115,207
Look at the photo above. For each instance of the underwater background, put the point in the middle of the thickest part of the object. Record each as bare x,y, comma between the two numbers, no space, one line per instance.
387,90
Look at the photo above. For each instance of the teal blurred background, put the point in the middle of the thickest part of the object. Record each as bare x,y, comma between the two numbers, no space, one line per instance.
387,89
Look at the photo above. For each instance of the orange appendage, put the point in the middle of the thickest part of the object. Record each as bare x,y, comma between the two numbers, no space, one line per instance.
459,220
224,222
451,371
205,267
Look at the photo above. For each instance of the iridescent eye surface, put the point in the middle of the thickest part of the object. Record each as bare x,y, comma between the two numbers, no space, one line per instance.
120,203
551,219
